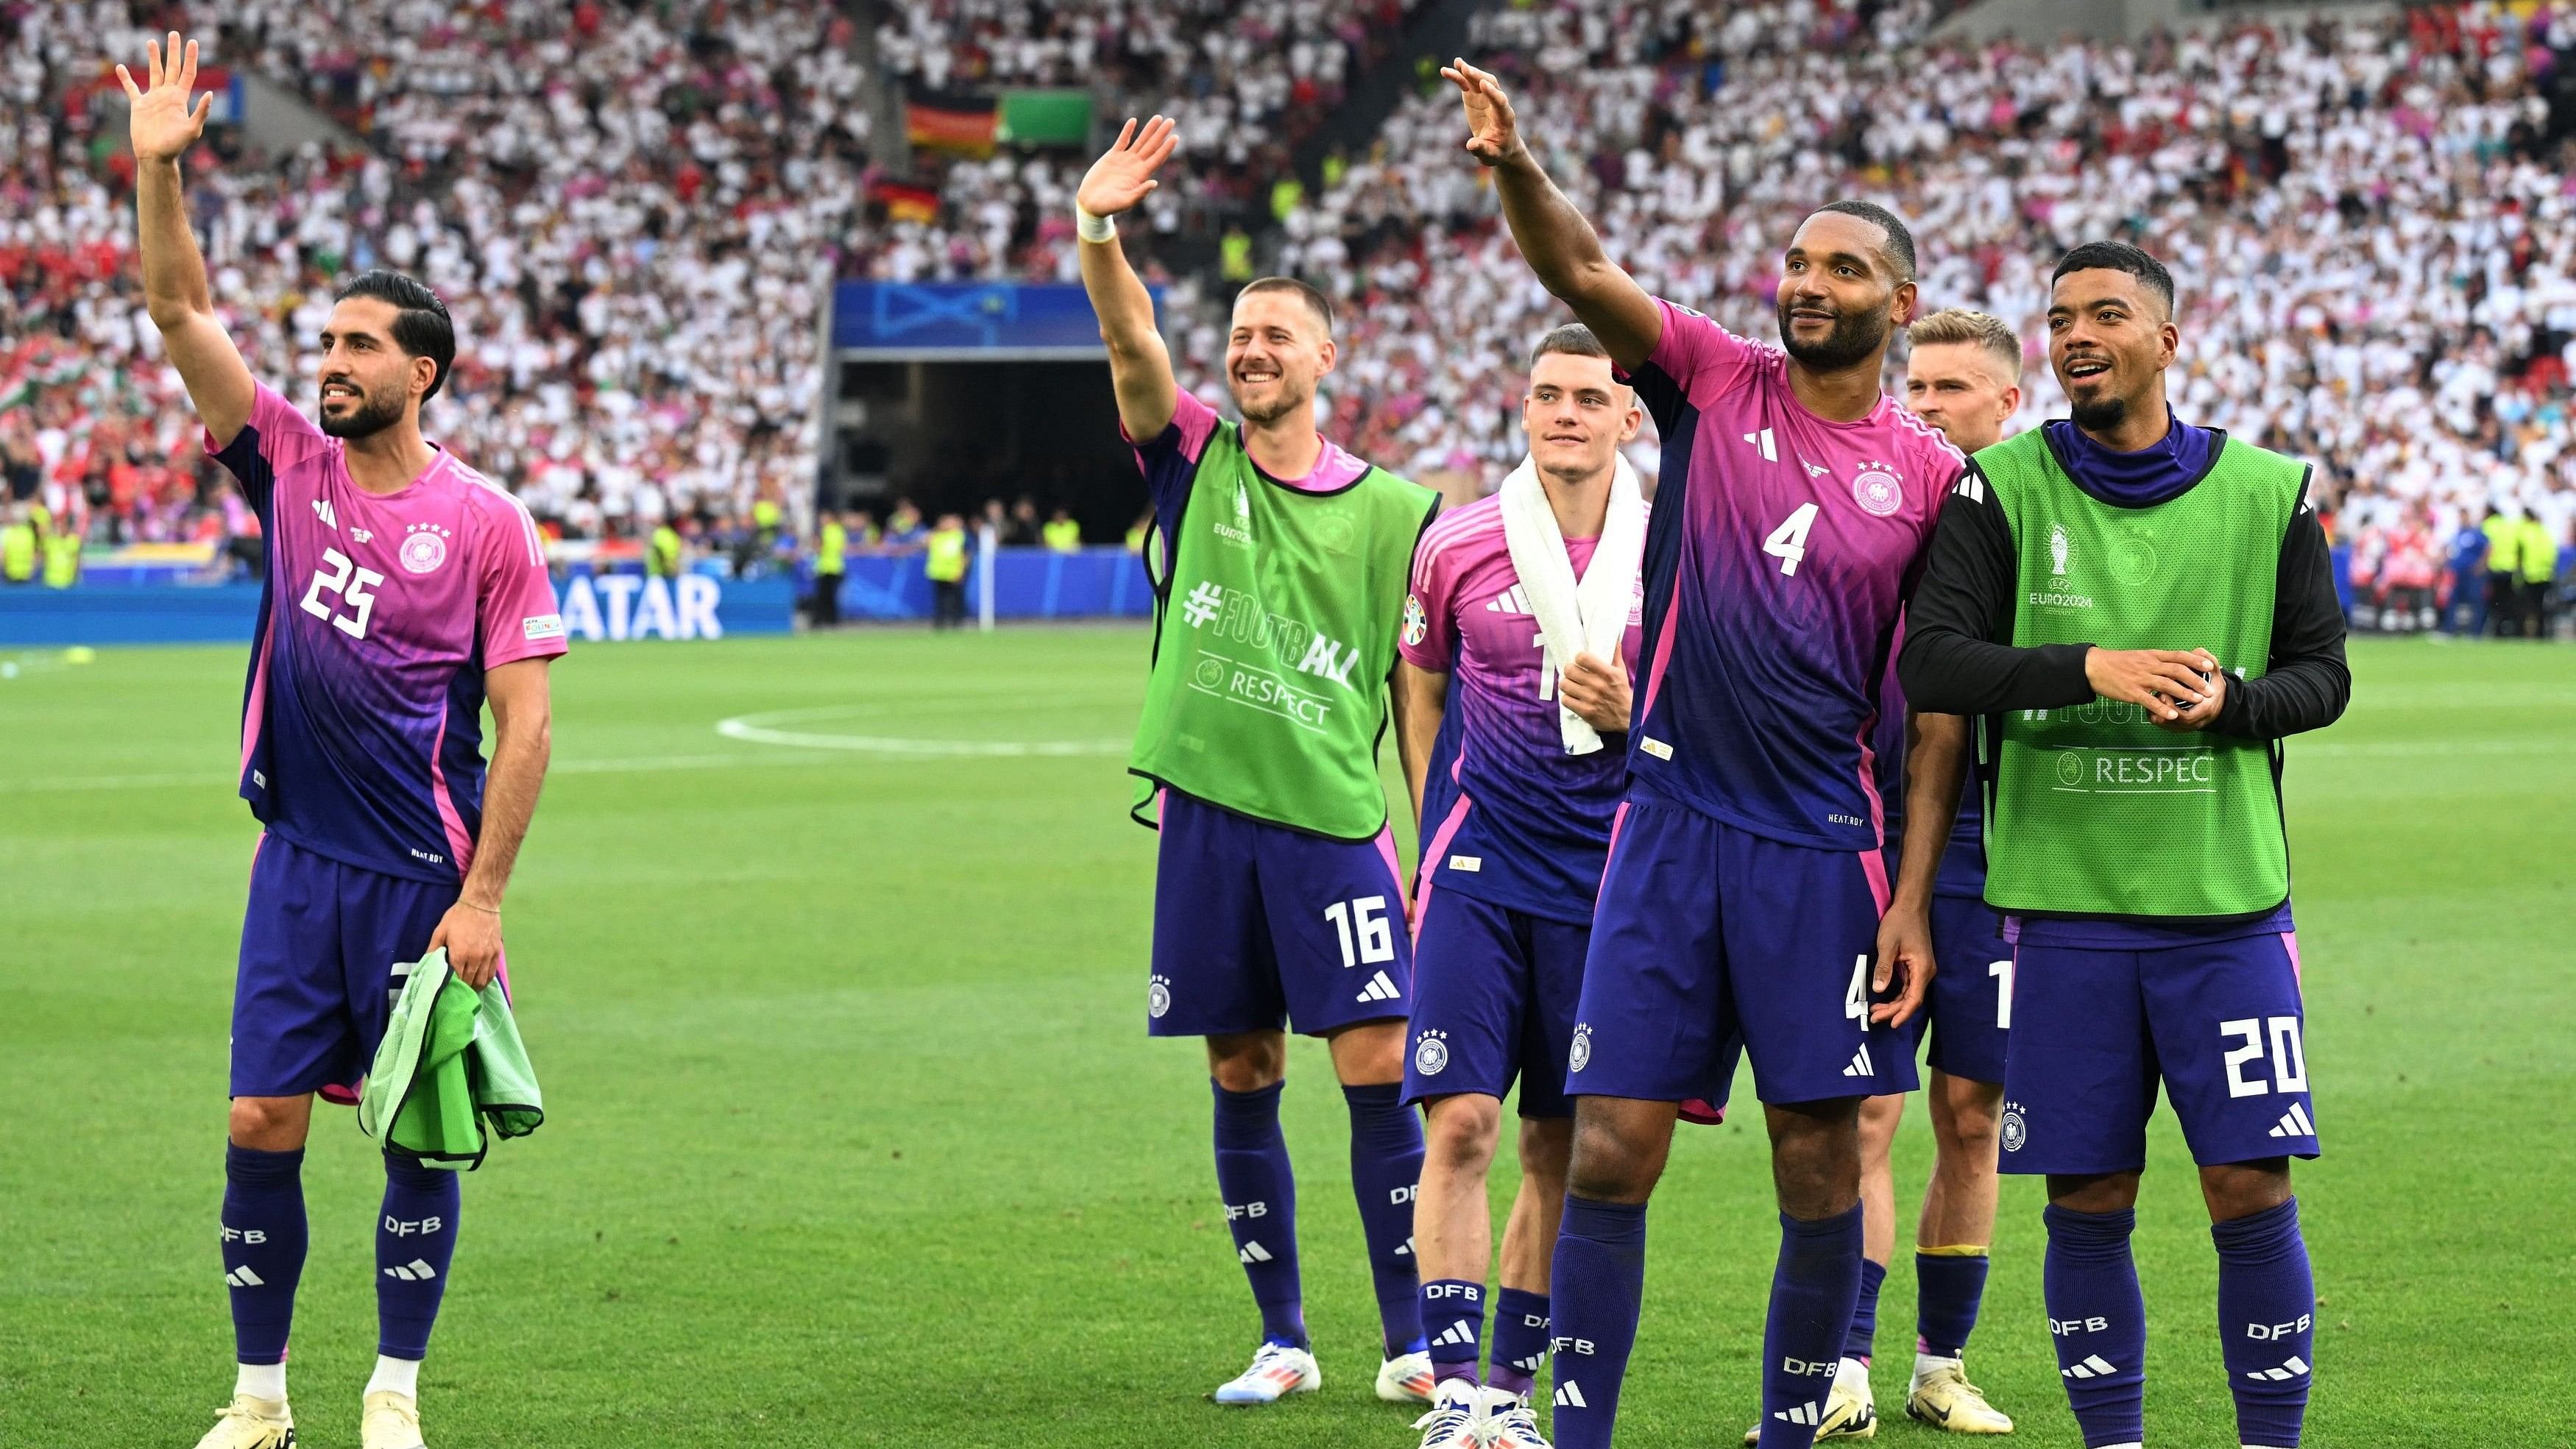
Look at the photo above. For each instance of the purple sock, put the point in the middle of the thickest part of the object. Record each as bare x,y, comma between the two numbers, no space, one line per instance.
1260,1193
1520,1341
1864,1320
1600,1282
1813,1291
1948,1288
1453,1316
2099,1319
1386,1168
415,1243
2267,1306
263,1247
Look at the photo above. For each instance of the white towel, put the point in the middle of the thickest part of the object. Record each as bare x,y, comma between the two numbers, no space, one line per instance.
1588,617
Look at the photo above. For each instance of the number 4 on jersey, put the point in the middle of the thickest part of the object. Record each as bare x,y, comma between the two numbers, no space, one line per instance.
1788,542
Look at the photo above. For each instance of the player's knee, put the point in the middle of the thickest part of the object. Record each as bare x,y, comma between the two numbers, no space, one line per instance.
2241,1189
1611,1164
2105,1192
1968,1130
1461,1131
268,1124
1247,1063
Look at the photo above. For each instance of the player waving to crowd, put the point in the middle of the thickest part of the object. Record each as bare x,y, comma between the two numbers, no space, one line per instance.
404,590
1277,899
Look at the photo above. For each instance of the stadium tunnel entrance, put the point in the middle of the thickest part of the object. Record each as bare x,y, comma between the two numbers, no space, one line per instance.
951,394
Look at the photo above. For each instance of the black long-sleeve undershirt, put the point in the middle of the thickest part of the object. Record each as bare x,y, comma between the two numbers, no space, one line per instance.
1957,661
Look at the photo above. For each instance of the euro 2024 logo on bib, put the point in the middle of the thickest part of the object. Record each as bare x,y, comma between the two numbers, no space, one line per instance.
424,547
1877,491
1431,1054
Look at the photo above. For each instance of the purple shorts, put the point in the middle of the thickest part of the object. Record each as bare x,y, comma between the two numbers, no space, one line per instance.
1257,926
1965,1012
1707,934
320,941
1494,994
2219,1024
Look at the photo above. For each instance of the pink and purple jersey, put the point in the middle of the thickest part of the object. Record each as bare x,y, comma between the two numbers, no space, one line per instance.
1508,816
362,719
1780,556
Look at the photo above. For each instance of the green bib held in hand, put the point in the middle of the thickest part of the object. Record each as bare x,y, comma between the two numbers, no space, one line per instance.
2097,811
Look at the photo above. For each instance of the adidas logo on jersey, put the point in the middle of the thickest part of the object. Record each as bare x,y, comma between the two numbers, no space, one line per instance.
414,1271
1379,988
1803,1414
1457,1335
1569,1395
2291,1370
1764,443
1860,1064
1510,601
243,1277
2094,1366
2295,1123
1253,1253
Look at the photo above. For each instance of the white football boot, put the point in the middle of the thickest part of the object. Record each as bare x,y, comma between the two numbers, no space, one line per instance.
1278,1369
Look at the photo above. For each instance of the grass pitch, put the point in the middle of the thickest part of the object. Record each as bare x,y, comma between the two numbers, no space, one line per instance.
855,1136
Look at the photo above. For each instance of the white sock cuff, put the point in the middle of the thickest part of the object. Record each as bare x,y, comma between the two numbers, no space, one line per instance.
260,1380
395,1376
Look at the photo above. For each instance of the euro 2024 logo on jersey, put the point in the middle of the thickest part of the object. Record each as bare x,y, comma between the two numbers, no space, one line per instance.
424,547
1431,1054
1416,623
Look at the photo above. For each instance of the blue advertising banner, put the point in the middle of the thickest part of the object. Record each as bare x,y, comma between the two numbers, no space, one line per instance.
965,321
1028,583
608,608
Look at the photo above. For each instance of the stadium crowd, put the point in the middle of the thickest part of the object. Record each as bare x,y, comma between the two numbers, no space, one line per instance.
633,210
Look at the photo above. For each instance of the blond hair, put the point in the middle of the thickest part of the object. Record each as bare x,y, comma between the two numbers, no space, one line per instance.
1977,329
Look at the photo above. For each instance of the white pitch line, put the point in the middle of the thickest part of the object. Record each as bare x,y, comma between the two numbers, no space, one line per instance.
743,728
635,765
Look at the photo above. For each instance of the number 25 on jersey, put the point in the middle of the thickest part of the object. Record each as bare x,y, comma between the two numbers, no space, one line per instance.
356,587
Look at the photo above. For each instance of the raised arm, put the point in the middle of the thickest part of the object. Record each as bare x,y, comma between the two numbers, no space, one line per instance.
174,275
1558,243
1140,367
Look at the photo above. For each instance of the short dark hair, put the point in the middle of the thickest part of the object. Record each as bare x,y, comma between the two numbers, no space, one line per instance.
422,327
1900,242
1316,301
1573,339
2112,256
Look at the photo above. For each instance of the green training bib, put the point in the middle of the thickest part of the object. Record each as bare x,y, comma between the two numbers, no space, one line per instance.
2097,811
1273,642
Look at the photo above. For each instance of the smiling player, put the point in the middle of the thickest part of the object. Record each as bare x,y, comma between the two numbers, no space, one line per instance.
1515,805
403,591
1745,897
2143,609
1276,896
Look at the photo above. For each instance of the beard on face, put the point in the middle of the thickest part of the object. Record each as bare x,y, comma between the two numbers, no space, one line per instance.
372,416
2100,415
1854,338
1288,401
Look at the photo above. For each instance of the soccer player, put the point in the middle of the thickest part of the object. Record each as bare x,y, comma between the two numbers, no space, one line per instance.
1277,899
1963,376
1514,805
1744,891
2142,609
404,590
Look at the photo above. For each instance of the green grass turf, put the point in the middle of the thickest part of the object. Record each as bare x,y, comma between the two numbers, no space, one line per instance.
856,1136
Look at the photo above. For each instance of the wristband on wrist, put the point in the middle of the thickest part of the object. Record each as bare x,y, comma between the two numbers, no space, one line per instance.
1092,228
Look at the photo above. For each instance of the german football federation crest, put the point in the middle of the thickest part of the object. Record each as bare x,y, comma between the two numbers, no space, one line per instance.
1581,1056
2015,1131
1158,997
424,547
1877,492
1431,1053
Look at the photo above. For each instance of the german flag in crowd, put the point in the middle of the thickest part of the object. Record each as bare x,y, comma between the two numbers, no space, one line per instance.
961,124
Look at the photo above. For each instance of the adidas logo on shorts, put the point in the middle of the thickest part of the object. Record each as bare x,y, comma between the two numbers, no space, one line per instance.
1380,988
1860,1064
2295,1123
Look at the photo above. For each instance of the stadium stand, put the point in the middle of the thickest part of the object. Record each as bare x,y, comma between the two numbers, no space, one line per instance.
633,209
